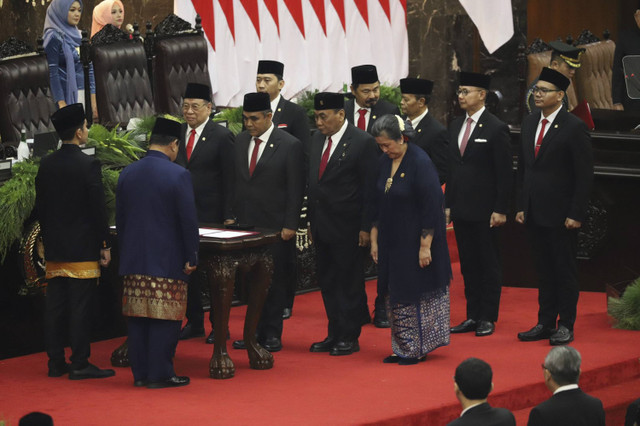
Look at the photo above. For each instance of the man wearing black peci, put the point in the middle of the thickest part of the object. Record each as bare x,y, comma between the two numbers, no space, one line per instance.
269,186
291,118
431,136
555,174
70,206
476,199
206,150
341,162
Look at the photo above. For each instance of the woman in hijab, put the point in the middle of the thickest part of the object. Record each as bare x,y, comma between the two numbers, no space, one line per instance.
107,12
409,244
61,44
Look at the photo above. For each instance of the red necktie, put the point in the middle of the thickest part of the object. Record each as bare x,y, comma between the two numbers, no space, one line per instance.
465,137
541,136
192,138
254,156
325,159
362,123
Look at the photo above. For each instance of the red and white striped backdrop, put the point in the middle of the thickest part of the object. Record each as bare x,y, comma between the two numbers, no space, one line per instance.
317,40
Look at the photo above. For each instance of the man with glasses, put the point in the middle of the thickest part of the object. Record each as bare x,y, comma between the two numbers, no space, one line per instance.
569,405
206,150
565,59
476,199
555,174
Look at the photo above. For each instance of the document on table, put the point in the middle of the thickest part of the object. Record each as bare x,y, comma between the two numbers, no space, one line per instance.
223,233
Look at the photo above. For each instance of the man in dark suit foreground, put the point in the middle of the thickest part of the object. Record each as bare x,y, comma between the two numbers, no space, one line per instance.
568,406
476,199
472,386
268,194
71,209
206,150
555,173
341,162
431,136
291,118
158,240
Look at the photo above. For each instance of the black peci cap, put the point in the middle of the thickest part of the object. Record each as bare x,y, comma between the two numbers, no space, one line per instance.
328,100
475,79
197,91
166,127
364,74
555,78
270,67
68,117
254,102
416,86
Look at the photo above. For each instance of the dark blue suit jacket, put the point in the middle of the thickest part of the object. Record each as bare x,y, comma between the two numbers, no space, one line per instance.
485,415
156,218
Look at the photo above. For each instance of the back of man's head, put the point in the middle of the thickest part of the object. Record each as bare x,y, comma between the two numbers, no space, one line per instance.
473,377
563,363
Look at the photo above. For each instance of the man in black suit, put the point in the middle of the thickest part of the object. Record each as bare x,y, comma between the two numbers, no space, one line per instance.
555,173
476,199
71,209
341,162
568,405
472,386
362,111
268,194
366,107
293,119
206,150
431,136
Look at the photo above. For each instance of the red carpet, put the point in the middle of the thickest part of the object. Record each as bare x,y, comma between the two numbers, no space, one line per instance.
306,388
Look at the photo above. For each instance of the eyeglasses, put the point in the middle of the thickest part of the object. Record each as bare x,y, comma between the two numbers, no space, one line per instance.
193,107
542,90
465,92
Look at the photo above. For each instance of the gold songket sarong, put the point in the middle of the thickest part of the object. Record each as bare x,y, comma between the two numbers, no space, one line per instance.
79,270
154,297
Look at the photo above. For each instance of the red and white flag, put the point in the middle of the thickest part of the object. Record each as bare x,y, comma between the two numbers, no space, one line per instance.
494,20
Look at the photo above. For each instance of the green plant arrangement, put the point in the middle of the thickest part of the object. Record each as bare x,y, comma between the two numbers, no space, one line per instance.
626,309
17,198
306,101
391,94
233,117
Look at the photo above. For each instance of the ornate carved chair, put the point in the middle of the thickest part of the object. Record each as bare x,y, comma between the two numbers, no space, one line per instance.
593,79
179,56
123,88
25,100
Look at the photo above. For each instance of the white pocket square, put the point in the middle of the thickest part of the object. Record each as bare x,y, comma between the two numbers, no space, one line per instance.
480,140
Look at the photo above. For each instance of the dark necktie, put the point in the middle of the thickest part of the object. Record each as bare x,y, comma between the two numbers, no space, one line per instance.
465,137
325,159
362,123
541,135
254,156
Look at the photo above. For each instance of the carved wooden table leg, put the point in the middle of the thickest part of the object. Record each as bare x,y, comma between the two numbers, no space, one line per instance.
221,281
261,272
120,357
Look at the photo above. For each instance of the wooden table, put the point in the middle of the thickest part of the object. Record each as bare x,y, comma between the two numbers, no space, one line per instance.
221,258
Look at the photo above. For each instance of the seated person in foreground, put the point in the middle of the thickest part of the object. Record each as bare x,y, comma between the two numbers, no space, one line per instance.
472,386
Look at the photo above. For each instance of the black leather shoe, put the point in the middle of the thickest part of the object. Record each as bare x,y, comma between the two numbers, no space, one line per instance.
91,372
380,318
345,348
485,328
391,359
325,346
286,313
58,370
172,382
190,331
561,337
465,326
411,361
238,344
140,383
272,344
539,332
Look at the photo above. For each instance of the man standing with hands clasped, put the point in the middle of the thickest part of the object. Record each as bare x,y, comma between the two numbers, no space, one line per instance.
555,173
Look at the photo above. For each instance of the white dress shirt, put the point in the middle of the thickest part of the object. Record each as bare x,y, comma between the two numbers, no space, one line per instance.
264,138
475,117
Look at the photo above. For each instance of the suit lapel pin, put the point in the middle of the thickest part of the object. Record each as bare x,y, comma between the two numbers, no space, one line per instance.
279,109
204,139
419,130
374,117
271,145
401,175
555,126
344,144
480,125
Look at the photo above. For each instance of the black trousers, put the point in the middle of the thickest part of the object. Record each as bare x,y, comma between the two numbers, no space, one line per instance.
152,346
481,269
340,270
555,249
72,297
284,271
195,314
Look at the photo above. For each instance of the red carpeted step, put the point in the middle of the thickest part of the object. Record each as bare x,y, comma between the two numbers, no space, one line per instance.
615,399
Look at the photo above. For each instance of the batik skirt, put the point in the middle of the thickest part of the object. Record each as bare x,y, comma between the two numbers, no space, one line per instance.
153,297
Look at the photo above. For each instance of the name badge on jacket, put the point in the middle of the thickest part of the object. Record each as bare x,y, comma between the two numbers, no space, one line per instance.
282,126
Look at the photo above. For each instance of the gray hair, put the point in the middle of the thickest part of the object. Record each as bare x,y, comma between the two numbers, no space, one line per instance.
563,362
389,126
